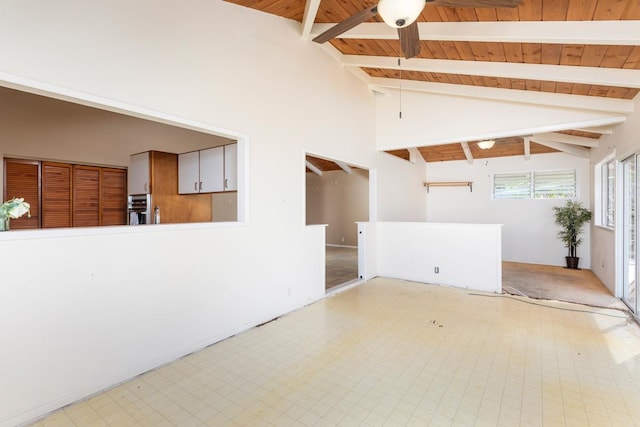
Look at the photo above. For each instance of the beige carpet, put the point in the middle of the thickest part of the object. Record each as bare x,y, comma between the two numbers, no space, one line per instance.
557,283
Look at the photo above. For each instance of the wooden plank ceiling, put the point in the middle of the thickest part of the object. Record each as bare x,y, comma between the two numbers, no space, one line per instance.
317,164
588,46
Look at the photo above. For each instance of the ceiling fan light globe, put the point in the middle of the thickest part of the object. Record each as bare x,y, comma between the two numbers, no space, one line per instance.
485,145
400,13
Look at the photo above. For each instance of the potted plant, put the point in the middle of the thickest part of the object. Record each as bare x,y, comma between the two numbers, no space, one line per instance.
13,208
571,217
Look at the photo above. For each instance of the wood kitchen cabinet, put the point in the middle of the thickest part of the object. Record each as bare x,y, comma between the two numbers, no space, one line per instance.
22,179
162,183
113,196
56,194
99,196
153,172
86,196
67,195
211,170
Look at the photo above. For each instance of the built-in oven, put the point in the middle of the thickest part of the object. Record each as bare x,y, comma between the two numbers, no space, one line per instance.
139,209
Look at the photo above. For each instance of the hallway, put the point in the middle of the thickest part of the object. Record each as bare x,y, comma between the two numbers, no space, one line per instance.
341,265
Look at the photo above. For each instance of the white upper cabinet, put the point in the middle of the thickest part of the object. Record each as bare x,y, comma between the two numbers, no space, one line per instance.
139,174
208,171
189,173
231,167
212,170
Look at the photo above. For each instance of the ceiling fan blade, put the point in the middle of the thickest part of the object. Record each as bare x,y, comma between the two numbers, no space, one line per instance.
347,24
410,40
475,3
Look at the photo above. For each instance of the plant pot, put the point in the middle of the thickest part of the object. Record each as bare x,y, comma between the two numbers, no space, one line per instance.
572,262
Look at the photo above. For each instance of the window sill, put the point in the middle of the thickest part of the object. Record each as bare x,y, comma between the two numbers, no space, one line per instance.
45,233
605,227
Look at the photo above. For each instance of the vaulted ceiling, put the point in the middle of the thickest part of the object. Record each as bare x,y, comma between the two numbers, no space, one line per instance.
576,52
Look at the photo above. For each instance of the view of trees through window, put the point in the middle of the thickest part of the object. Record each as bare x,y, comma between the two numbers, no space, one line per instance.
556,184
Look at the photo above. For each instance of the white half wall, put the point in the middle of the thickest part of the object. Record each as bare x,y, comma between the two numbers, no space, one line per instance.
529,232
79,317
460,255
367,250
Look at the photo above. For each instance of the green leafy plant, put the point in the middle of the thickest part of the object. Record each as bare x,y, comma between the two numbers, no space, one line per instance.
14,209
571,217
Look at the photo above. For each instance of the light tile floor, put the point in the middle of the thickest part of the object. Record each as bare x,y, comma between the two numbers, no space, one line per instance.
396,353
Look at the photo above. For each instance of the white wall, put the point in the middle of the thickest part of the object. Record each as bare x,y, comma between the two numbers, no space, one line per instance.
529,232
624,142
90,308
338,199
400,194
429,119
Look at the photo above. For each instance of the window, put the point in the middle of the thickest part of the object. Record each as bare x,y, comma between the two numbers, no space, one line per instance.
554,184
512,186
605,192
535,185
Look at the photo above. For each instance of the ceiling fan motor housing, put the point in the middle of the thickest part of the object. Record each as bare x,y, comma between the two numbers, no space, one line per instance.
400,13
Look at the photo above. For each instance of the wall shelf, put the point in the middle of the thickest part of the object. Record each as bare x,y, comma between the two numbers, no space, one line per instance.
449,184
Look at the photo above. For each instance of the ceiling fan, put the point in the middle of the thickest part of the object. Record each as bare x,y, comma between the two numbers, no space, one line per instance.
402,14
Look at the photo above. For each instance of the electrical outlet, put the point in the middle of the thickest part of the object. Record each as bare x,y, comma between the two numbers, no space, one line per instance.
436,270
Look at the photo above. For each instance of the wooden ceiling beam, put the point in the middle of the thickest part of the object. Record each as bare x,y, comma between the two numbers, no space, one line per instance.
621,77
583,102
310,12
626,32
569,139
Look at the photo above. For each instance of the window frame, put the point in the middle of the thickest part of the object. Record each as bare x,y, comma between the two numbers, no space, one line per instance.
605,192
534,192
518,190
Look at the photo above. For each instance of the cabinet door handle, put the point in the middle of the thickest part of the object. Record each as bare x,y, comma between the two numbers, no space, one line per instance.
200,186
195,186
226,185
146,187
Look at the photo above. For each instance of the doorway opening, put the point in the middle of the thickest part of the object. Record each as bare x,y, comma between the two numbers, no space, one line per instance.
337,195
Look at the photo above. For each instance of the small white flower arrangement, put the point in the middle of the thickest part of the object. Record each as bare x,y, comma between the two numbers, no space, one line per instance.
13,209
